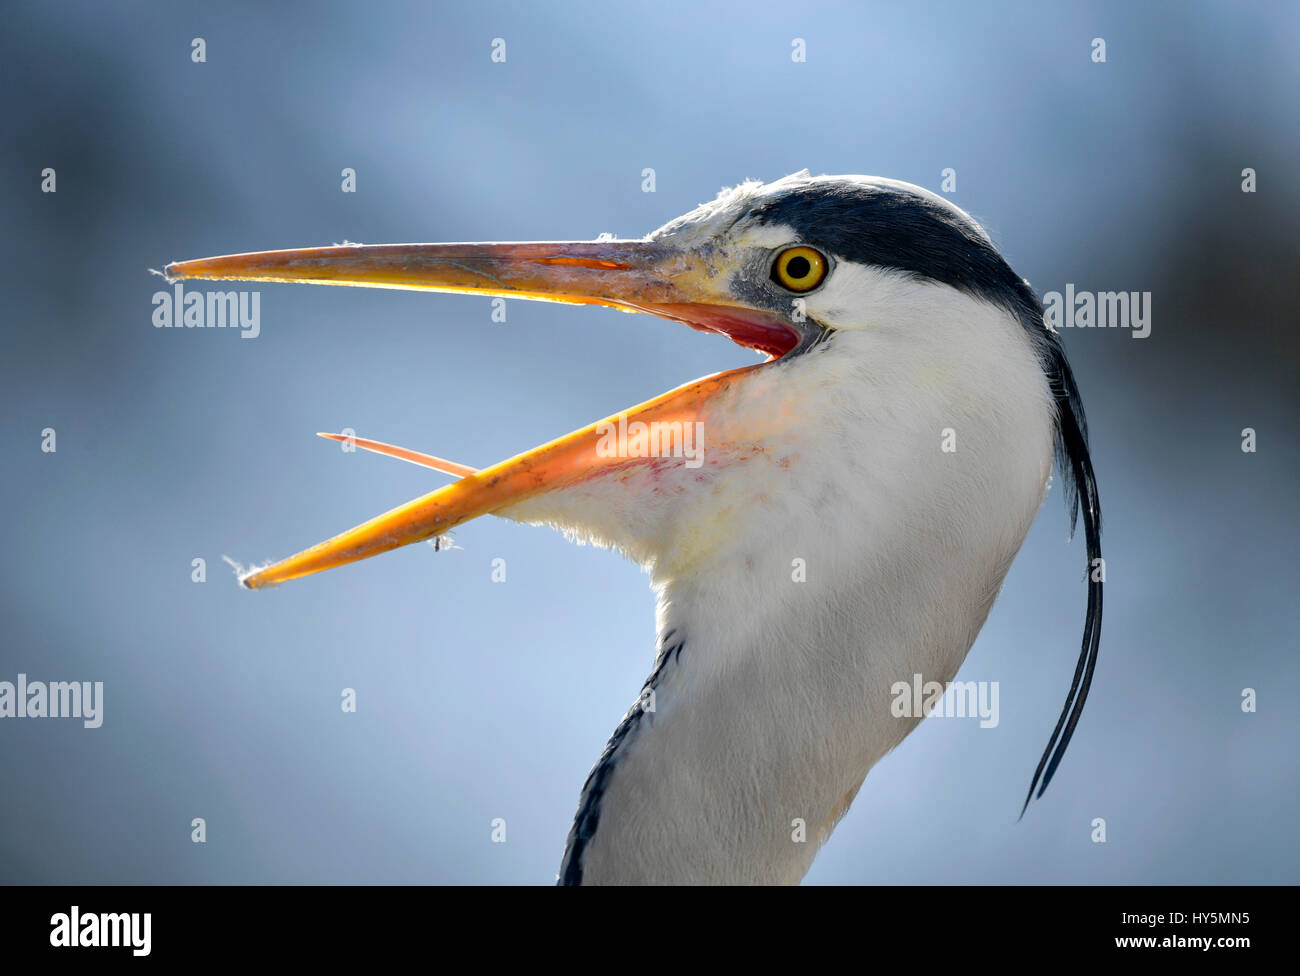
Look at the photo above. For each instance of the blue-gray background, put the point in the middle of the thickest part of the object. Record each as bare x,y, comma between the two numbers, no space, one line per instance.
480,700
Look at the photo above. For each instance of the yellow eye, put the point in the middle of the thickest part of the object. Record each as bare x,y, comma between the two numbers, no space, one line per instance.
799,268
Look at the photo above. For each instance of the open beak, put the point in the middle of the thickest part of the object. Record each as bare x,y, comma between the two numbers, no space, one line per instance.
635,276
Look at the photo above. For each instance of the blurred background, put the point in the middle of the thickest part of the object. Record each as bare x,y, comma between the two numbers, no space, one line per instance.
477,700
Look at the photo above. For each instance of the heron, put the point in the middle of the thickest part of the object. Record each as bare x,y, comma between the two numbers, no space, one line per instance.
893,445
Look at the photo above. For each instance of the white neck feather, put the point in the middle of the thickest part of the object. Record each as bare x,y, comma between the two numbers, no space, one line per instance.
774,702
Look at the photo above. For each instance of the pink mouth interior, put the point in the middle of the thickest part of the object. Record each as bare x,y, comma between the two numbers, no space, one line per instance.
745,327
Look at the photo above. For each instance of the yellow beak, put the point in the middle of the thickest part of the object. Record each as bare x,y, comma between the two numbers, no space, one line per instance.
635,276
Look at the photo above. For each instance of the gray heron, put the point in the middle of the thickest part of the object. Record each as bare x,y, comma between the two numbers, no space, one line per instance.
894,445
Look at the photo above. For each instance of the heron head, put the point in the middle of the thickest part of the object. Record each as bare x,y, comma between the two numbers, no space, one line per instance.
846,285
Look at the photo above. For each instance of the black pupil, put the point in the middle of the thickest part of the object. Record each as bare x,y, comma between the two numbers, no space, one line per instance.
798,267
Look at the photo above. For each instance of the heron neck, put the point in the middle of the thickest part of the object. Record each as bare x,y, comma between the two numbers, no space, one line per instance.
751,736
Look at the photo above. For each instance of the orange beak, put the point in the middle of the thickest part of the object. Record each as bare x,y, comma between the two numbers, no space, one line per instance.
635,276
